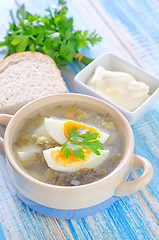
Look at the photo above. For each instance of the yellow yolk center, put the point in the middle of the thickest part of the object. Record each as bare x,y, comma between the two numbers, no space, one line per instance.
70,124
71,161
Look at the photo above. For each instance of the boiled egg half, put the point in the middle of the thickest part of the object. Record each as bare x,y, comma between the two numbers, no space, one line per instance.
58,161
58,130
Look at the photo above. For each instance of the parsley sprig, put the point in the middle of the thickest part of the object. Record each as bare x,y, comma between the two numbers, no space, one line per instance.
81,138
52,34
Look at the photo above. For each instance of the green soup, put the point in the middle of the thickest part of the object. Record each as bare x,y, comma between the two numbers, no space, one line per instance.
33,138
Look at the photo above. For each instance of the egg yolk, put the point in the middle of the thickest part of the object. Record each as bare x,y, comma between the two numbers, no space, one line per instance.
70,124
71,161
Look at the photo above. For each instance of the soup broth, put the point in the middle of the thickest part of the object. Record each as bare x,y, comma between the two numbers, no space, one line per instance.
33,138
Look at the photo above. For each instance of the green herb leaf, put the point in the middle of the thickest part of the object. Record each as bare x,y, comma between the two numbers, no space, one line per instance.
20,42
66,149
90,136
52,34
76,134
80,138
76,148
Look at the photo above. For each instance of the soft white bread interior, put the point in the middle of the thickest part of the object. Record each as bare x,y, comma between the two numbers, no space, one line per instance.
27,76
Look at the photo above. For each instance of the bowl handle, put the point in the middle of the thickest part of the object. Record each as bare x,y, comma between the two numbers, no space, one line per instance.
128,187
4,120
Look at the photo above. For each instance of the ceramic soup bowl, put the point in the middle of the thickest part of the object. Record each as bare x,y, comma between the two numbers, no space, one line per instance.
73,201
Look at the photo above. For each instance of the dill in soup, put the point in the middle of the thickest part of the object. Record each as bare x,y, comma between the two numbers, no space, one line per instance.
69,145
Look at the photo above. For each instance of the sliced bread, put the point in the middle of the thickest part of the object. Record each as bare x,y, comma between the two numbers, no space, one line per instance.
27,76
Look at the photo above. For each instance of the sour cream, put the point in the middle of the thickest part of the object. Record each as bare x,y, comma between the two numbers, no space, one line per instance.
120,87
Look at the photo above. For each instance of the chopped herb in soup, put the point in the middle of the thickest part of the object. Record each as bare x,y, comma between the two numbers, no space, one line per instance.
69,145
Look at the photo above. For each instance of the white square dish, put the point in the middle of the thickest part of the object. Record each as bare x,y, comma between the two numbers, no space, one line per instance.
114,63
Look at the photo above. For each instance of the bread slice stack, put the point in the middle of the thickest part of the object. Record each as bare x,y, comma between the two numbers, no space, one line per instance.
27,76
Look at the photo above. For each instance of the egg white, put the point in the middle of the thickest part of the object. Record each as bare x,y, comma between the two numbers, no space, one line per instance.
92,162
55,128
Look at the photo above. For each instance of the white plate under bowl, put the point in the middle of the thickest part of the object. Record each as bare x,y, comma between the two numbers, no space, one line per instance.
114,63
